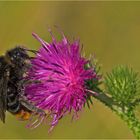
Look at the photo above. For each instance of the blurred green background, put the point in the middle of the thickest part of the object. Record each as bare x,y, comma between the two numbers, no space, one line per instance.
110,30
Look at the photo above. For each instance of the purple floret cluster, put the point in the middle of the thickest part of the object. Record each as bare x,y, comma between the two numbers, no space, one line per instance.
59,68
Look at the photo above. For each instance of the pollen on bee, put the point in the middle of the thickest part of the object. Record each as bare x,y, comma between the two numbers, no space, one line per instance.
20,114
26,116
23,115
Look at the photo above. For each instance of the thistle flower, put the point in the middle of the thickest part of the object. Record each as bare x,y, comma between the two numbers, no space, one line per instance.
61,71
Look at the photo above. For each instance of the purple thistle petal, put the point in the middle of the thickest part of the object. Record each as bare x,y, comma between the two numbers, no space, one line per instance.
60,68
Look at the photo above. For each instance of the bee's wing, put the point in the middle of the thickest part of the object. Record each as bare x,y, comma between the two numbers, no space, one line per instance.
3,96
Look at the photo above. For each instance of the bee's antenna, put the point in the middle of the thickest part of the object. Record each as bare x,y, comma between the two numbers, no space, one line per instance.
33,51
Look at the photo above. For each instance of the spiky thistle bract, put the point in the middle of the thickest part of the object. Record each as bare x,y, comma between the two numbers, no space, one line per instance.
123,85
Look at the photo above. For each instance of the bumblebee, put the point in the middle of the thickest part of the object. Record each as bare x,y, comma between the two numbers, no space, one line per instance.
13,67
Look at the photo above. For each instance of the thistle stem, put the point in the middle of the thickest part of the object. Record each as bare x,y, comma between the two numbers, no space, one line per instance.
105,99
132,122
128,115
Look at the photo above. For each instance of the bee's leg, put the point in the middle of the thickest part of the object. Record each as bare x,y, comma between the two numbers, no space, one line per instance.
21,87
30,106
22,83
14,109
37,115
12,102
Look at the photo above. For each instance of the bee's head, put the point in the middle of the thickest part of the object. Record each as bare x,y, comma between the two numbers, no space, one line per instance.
17,56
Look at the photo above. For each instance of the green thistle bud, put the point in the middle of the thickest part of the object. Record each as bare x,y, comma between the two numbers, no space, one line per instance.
122,84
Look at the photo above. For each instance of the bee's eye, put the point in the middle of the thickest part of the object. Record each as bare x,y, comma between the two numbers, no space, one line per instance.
17,54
